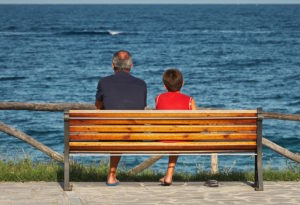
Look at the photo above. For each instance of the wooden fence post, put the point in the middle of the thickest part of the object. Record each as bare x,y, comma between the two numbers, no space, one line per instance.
214,165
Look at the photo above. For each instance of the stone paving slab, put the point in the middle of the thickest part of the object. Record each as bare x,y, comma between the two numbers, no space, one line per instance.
32,193
86,193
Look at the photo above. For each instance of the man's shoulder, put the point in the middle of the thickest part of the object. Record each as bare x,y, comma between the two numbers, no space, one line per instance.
138,80
128,77
106,80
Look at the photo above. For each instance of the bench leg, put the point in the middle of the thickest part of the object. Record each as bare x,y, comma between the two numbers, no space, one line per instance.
258,158
67,186
258,174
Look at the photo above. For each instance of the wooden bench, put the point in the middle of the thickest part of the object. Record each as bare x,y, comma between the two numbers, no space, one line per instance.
145,132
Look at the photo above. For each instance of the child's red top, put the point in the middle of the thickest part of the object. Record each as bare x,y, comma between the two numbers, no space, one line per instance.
173,101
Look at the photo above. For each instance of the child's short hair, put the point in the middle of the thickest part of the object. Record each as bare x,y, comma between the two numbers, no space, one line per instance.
173,80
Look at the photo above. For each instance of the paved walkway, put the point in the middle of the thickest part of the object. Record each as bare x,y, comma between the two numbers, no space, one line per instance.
132,193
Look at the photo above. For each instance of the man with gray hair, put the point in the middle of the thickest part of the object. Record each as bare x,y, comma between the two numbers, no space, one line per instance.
120,91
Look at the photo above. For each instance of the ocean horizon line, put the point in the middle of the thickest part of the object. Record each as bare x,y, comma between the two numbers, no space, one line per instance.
158,4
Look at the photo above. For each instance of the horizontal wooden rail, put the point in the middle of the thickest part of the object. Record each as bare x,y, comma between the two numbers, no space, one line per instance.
55,107
52,107
280,116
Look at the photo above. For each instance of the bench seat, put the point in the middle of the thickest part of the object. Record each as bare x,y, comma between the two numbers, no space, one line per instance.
164,132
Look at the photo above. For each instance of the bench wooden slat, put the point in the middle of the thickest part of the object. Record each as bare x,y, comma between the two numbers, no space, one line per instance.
240,121
163,113
162,128
159,152
161,136
131,146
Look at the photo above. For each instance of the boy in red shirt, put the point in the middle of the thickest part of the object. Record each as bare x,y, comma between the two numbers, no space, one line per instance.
173,100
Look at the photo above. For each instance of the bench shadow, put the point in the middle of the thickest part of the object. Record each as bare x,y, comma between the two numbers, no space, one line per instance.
249,183
60,178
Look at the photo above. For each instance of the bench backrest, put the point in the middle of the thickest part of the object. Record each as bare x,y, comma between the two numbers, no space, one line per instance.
153,131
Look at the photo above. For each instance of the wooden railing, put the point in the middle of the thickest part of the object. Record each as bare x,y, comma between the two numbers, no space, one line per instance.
58,107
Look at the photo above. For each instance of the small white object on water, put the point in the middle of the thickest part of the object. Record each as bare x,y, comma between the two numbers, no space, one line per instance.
114,32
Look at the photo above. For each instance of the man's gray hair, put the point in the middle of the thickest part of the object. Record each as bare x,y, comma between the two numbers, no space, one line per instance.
122,62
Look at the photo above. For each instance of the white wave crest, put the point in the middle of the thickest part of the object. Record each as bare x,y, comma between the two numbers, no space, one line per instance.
113,33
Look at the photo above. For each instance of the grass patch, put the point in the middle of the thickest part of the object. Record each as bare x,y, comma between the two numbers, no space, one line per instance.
26,170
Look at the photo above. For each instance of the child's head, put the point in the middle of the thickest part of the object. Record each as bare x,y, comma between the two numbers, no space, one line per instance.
173,79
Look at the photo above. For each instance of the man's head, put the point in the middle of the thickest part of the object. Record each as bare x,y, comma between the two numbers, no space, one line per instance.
122,61
173,80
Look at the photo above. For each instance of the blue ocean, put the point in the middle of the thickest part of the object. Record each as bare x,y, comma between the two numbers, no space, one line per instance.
231,56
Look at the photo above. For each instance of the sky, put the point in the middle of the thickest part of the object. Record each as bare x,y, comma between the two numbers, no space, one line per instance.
149,1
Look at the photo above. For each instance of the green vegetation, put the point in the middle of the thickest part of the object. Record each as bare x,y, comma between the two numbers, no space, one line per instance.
26,170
